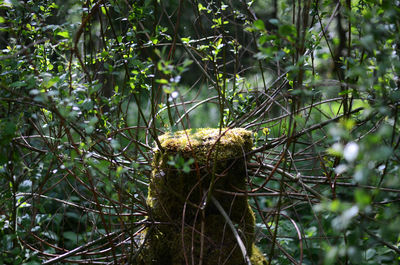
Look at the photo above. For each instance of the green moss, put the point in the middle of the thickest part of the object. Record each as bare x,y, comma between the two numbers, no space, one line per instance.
207,144
176,196
257,258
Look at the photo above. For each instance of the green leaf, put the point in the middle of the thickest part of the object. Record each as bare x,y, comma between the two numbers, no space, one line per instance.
362,198
51,82
162,81
287,31
370,253
7,129
201,7
18,84
63,34
185,40
71,236
259,24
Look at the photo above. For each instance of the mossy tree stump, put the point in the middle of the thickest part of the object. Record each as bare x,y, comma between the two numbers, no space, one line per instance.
190,229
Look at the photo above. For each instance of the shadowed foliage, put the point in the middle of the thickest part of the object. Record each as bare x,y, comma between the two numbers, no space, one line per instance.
94,93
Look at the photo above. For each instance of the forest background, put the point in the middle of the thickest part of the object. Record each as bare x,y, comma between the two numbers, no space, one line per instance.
86,87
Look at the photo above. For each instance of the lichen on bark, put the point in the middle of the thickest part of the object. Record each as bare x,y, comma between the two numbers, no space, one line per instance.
189,227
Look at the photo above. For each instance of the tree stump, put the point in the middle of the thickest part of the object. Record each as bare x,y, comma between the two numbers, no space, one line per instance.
188,175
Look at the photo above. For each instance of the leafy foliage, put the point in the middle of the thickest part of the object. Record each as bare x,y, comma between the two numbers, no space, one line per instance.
86,87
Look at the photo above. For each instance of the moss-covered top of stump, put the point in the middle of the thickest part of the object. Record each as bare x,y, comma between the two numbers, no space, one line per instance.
197,143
